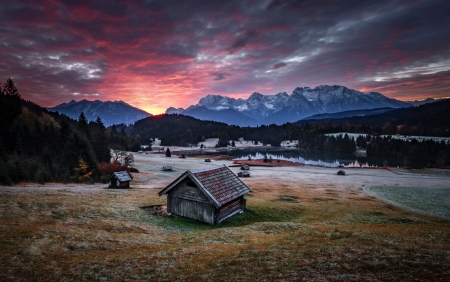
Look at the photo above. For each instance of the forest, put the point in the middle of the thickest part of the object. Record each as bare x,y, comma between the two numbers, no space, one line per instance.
430,119
39,146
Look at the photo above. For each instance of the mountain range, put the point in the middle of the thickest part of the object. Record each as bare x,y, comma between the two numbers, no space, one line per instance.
303,103
116,112
281,108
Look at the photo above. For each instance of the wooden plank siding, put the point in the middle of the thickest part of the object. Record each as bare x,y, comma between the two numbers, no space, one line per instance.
188,201
192,209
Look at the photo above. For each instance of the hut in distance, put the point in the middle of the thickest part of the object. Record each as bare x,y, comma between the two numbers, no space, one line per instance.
209,195
120,179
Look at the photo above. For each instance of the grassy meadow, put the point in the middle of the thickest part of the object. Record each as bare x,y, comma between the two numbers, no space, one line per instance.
289,232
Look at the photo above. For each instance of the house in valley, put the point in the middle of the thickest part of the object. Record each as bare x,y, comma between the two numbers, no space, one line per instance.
208,195
120,179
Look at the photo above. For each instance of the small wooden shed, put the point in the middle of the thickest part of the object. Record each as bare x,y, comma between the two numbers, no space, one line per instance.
209,195
120,179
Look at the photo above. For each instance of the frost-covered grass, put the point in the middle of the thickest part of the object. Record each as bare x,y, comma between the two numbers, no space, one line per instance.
434,201
290,231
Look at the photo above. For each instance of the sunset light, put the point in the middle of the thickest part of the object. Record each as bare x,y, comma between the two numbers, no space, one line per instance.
158,54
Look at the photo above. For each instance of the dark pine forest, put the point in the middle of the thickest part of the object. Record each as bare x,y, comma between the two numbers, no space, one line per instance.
36,145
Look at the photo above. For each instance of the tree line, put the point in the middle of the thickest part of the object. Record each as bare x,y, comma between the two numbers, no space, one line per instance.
179,130
412,153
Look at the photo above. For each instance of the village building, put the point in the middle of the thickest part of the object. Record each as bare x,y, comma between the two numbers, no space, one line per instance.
120,179
209,195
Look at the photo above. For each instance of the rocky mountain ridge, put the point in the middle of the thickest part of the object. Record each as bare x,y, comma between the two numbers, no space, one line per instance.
282,107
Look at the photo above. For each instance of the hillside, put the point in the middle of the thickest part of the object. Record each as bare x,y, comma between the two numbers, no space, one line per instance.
179,130
429,119
344,114
39,146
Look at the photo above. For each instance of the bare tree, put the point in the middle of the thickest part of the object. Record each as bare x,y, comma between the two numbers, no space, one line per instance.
117,156
122,157
128,159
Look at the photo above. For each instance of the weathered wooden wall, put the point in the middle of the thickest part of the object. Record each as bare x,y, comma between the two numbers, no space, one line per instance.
188,201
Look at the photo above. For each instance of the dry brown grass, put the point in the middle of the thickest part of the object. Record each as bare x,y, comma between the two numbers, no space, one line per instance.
289,232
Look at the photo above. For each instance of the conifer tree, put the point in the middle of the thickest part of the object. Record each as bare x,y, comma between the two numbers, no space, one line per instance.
83,125
10,89
99,140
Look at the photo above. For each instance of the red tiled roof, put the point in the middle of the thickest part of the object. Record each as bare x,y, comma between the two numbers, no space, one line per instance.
221,183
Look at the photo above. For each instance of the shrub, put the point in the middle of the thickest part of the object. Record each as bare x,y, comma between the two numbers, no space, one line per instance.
107,169
133,169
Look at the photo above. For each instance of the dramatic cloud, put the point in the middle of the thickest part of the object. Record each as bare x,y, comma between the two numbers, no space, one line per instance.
279,65
219,75
161,53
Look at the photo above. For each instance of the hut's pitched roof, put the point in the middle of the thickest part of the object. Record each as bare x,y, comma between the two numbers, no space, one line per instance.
122,175
219,184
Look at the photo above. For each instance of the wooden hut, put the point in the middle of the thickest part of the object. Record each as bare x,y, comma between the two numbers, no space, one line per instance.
209,195
120,179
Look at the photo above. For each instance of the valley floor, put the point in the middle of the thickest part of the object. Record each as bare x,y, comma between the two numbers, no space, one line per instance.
301,223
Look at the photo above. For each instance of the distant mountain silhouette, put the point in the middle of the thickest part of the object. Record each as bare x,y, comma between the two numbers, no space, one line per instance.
116,112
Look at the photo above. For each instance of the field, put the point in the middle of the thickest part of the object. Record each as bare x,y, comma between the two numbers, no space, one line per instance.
430,201
302,223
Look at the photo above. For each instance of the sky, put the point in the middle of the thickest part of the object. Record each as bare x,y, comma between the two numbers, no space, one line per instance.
158,54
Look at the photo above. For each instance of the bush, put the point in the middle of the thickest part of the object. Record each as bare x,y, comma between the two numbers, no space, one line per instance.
107,169
133,169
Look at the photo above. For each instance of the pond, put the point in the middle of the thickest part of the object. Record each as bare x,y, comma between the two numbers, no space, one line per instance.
309,157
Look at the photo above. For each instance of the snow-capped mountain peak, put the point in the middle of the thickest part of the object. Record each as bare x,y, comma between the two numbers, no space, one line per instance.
303,102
